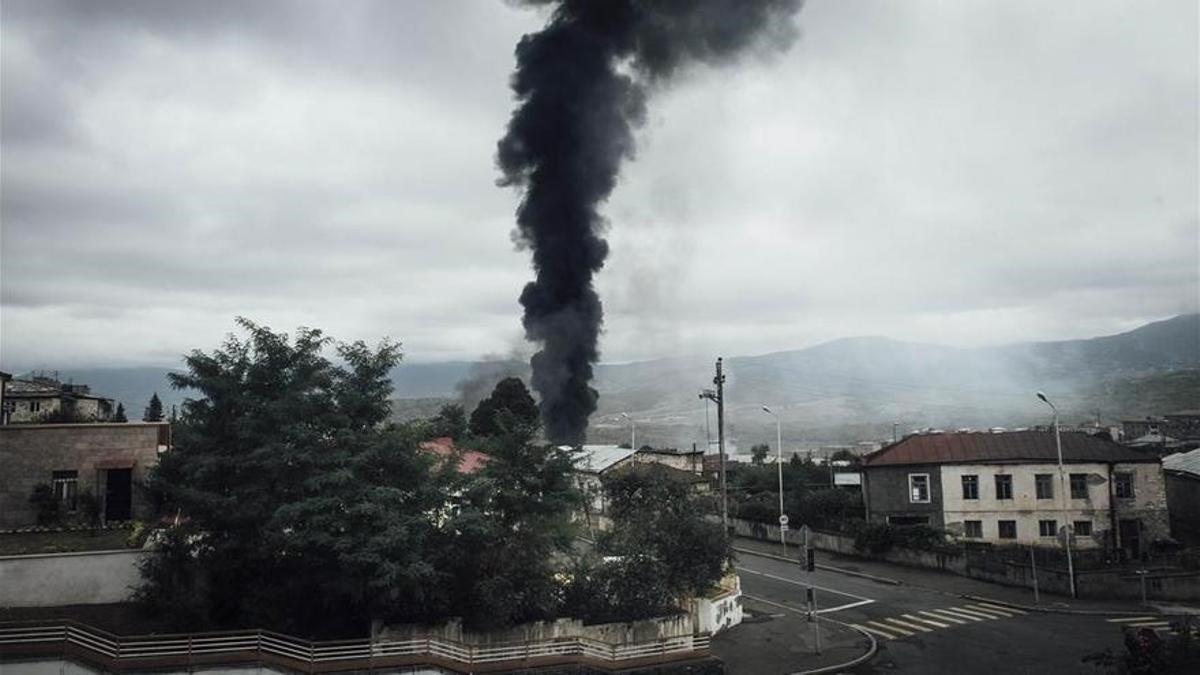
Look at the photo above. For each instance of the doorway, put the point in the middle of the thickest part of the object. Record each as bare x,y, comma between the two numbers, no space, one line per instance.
118,495
1131,538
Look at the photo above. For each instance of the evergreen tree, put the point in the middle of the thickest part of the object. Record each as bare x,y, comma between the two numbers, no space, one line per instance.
119,416
509,406
154,411
301,513
451,421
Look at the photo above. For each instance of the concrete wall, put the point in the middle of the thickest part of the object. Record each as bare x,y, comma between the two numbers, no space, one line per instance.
1025,508
31,453
691,461
679,625
885,489
49,580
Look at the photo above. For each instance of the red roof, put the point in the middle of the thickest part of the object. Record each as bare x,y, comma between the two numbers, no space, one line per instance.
470,462
1013,446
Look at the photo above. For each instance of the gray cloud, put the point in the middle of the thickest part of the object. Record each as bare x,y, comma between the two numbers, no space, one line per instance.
946,172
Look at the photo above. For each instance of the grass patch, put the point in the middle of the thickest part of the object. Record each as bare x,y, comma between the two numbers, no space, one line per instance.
21,543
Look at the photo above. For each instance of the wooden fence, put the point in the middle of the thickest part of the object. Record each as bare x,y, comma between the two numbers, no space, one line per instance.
68,639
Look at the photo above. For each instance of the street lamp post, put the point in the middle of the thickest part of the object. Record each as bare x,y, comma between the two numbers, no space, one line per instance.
1062,488
779,465
632,432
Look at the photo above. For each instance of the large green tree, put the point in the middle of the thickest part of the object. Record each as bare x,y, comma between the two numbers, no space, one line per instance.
154,409
299,511
509,407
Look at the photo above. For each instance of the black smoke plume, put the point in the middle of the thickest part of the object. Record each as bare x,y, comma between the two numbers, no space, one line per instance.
581,85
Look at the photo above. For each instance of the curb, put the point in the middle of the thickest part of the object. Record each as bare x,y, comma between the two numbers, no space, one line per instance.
859,660
1062,610
829,568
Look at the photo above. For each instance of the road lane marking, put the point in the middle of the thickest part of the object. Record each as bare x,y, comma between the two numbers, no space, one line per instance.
1150,624
885,626
1001,607
801,583
943,617
849,605
755,598
906,624
931,622
991,614
985,608
880,633
1129,619
967,615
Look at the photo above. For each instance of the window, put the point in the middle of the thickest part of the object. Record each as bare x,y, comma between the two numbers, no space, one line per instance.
1079,486
66,489
970,487
973,529
35,406
1003,487
918,488
1123,483
1047,528
1043,484
1007,529
1083,528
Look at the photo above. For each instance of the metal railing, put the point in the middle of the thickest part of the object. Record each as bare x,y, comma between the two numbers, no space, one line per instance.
266,647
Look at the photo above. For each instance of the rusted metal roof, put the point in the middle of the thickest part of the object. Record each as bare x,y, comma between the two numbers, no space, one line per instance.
1013,446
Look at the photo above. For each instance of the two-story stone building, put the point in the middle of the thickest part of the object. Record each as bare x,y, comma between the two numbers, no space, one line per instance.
41,399
1005,488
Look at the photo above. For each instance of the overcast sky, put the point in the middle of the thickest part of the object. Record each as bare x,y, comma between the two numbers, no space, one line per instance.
964,173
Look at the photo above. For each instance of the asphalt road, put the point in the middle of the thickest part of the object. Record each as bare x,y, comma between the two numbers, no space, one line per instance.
920,630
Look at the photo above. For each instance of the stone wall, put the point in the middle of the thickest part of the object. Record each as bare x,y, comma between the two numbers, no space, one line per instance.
30,453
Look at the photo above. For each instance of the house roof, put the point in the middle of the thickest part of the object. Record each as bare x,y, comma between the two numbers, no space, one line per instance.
1007,447
674,452
670,472
469,462
598,458
1183,462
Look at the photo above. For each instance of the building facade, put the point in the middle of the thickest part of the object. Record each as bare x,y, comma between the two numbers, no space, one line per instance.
44,399
1183,495
109,461
1005,488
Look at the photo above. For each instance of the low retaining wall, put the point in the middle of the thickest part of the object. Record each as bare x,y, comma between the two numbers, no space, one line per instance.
52,579
1104,583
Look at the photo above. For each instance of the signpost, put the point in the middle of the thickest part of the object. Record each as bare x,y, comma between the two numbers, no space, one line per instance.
811,593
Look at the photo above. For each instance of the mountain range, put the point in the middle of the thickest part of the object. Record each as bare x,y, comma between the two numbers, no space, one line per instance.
847,390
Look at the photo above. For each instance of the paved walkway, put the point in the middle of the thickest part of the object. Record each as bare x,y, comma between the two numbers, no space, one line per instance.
773,641
945,582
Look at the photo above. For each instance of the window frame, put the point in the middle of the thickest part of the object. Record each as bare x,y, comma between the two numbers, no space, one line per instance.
1000,529
978,526
972,480
1043,483
1053,527
1123,478
1005,479
1076,529
912,492
1074,481
65,484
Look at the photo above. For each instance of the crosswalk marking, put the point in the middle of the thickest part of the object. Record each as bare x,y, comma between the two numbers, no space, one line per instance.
875,631
942,616
965,614
996,608
989,613
918,619
1129,619
1150,624
885,626
906,624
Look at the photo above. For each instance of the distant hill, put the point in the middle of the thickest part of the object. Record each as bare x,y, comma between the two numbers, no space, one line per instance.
841,391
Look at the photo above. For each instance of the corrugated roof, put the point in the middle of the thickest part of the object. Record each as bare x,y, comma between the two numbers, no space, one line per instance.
1014,446
1183,462
597,458
469,462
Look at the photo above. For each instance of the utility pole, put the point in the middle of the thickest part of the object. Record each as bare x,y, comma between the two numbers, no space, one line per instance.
718,397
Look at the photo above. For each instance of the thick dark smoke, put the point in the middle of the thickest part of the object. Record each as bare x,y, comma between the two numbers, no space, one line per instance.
581,84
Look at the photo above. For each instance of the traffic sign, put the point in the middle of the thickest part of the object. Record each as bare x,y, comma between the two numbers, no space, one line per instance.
783,528
783,519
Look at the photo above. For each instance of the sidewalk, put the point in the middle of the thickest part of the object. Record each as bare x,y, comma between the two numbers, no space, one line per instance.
944,582
782,642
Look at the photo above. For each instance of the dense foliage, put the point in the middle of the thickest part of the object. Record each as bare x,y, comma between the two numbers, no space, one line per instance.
154,409
809,497
509,407
661,548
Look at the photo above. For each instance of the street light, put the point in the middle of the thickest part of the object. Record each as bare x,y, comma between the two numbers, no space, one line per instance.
632,432
779,465
1062,488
